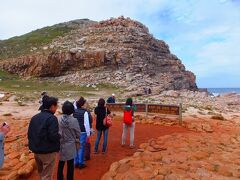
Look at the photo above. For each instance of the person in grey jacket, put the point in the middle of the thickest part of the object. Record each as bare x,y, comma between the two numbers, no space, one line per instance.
3,131
70,134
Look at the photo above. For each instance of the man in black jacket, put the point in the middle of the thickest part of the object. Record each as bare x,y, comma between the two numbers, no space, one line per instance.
44,139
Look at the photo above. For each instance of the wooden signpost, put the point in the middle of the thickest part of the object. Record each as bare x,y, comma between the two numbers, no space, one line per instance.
118,107
151,108
141,107
115,106
163,109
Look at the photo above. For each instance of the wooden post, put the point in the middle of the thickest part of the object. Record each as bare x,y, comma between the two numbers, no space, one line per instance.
146,108
180,113
147,103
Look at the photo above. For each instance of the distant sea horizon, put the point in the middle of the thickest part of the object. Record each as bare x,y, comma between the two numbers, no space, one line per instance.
218,91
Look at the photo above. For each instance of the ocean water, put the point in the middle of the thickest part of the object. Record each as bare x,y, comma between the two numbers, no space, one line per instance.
217,91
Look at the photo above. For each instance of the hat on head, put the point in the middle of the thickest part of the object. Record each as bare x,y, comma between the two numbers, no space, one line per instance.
113,94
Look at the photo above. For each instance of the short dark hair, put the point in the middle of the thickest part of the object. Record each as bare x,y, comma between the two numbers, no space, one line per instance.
101,102
49,101
129,101
81,102
43,93
68,108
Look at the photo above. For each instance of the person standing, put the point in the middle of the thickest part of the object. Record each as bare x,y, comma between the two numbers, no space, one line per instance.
111,99
81,114
44,95
101,111
89,114
87,153
128,122
3,132
44,138
70,133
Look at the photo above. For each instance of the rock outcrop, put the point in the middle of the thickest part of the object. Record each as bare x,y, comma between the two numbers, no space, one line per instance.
54,64
119,51
19,162
183,156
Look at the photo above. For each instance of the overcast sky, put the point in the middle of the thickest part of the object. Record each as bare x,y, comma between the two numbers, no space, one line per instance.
204,34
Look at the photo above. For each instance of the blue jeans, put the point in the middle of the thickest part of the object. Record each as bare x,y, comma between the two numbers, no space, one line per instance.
1,149
79,159
105,140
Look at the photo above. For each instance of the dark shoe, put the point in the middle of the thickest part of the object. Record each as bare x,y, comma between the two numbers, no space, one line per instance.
82,166
76,165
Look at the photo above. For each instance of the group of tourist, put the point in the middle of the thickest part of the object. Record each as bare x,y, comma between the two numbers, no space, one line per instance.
69,134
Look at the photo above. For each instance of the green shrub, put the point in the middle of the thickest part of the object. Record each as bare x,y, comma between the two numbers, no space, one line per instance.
21,45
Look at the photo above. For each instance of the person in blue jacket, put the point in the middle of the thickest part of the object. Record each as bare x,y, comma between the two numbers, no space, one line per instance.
3,131
111,99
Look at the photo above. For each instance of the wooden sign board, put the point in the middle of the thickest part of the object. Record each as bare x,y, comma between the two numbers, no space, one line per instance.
151,108
163,109
118,107
141,107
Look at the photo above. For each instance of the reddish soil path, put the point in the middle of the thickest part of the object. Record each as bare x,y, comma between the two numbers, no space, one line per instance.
99,164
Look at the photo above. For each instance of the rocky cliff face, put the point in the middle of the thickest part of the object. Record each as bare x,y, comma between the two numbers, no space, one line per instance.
120,51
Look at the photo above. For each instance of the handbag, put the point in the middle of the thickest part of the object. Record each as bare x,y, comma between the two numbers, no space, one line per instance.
107,120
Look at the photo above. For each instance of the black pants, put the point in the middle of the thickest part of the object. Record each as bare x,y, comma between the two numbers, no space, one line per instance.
70,170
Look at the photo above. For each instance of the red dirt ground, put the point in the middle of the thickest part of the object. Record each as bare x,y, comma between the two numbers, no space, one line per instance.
99,164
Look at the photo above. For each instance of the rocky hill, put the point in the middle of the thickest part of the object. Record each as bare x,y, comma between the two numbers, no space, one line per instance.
120,51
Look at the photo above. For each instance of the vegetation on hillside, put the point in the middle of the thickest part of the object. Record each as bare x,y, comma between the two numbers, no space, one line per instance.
12,83
21,45
31,88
